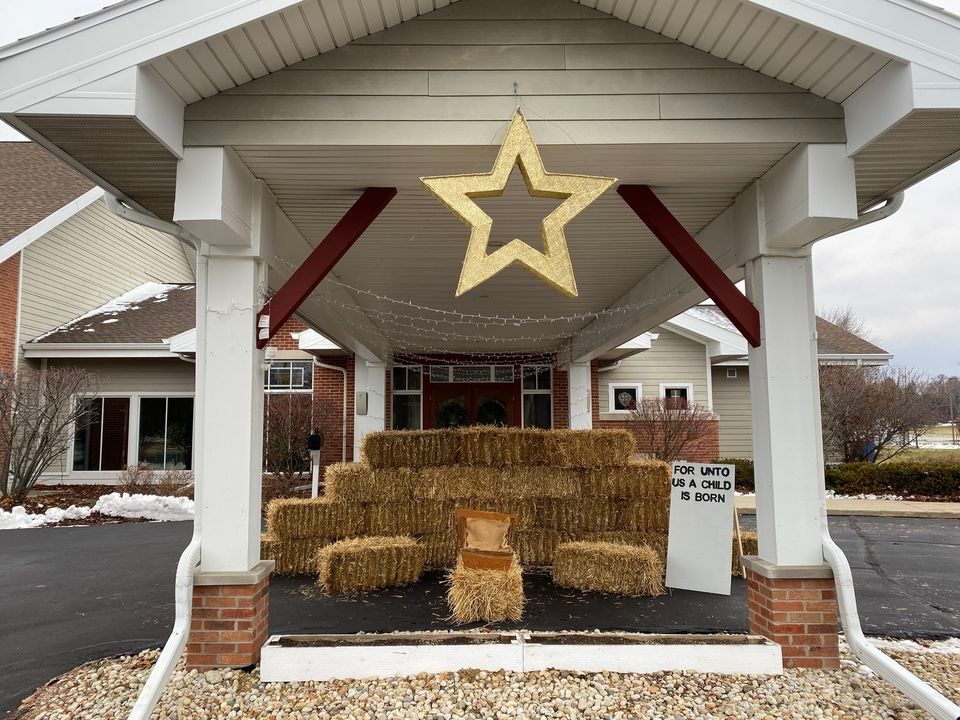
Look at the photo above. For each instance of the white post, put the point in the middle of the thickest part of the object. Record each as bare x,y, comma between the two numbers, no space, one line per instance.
785,396
315,472
579,396
370,383
230,458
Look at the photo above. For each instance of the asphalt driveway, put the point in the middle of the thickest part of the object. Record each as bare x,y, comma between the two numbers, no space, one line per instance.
69,595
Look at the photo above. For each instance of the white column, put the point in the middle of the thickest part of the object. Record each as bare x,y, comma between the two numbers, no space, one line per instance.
230,391
579,396
370,384
785,396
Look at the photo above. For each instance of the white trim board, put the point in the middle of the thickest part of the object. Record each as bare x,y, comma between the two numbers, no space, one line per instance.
97,350
58,217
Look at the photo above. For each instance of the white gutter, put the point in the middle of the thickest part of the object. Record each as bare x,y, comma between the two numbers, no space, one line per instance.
889,207
183,589
343,452
127,213
612,366
939,706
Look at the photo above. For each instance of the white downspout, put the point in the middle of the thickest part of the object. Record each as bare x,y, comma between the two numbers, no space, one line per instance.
343,422
183,591
939,706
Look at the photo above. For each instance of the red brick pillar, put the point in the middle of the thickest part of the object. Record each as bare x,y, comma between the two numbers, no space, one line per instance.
230,618
795,607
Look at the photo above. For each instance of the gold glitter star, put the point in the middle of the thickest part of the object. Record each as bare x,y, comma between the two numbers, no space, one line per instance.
552,266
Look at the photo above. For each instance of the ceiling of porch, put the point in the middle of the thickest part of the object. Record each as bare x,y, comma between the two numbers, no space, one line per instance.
415,250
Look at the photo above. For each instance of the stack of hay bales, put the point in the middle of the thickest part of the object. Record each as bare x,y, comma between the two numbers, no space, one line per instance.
560,485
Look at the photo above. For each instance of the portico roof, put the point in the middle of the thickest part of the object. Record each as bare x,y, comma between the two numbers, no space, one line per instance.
320,99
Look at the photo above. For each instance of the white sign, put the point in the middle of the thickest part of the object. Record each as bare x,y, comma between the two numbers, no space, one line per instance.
700,544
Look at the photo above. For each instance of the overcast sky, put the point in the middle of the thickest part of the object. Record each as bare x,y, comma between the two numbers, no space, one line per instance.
901,275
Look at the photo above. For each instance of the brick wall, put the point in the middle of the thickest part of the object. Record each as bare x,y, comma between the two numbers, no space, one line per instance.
229,625
9,291
561,400
799,614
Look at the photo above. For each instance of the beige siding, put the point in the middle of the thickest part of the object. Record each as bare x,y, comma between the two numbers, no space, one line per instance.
731,403
133,377
453,77
670,359
86,261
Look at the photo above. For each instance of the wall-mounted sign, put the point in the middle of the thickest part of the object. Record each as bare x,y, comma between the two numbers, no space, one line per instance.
700,543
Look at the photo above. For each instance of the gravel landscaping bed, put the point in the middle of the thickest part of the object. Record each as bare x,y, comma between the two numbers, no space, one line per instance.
106,689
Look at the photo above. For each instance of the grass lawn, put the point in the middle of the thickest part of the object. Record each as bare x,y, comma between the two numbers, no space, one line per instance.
927,456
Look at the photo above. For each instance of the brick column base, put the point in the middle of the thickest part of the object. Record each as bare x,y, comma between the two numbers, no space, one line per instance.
230,618
795,607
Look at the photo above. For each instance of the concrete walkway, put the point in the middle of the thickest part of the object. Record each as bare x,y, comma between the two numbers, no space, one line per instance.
747,504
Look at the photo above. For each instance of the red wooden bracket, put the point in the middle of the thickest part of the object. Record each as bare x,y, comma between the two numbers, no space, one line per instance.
694,259
321,261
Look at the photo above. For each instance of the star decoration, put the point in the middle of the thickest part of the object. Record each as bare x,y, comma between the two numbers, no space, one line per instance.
577,191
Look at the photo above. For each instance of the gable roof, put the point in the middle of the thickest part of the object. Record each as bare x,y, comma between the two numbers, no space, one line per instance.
34,185
147,314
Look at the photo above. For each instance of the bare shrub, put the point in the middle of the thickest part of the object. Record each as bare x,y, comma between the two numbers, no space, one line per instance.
38,411
667,429
872,413
145,479
288,420
134,478
173,482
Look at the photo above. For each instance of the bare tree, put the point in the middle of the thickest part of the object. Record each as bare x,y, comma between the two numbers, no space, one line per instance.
667,430
847,319
872,413
38,411
288,420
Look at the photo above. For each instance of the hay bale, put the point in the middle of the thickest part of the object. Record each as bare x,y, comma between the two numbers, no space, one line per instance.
654,539
293,518
494,483
638,480
585,514
441,549
358,482
485,595
369,563
651,515
291,556
609,567
750,547
492,446
536,547
409,517
410,448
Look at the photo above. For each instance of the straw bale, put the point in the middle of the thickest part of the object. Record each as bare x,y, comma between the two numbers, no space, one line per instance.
358,482
536,547
441,548
638,479
493,446
485,595
293,518
584,514
635,570
494,483
291,557
750,547
651,515
653,539
369,563
410,517
410,448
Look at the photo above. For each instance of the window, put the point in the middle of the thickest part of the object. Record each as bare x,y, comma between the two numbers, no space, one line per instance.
537,396
165,438
623,397
731,373
471,374
676,396
102,444
289,376
407,405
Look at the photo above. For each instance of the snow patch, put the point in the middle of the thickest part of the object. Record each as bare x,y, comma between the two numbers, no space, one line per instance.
950,646
125,505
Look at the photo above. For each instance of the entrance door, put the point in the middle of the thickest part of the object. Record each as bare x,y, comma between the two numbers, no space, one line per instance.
458,404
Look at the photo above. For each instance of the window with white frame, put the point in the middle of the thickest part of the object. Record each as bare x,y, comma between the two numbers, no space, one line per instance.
102,443
471,374
289,376
676,396
407,397
623,397
165,433
537,396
